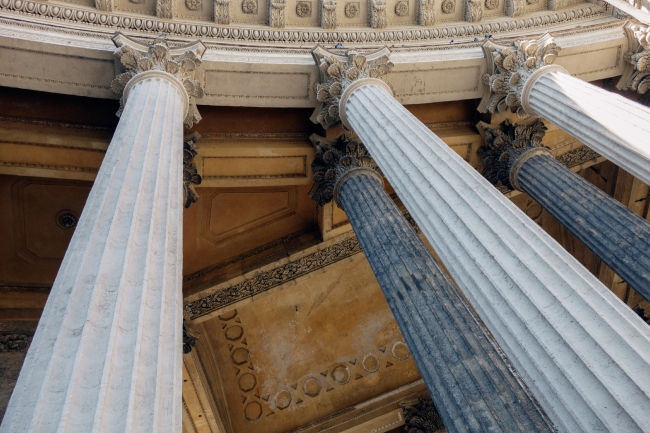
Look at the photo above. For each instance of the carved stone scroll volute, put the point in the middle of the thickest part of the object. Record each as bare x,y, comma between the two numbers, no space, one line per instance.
636,76
222,11
427,15
277,15
378,14
328,17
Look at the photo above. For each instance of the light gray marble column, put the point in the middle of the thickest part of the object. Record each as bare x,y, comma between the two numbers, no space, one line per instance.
523,79
107,354
582,352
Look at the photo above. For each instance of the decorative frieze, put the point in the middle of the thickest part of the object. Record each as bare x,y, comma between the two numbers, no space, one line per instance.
191,176
473,10
328,16
338,72
166,9
378,14
277,15
515,8
427,13
508,70
336,160
222,11
158,57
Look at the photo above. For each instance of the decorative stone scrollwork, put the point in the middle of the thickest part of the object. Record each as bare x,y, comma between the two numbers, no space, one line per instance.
334,161
402,9
166,9
508,70
448,6
222,11
504,145
421,416
249,6
427,16
352,10
277,16
158,57
189,340
194,5
338,72
473,11
378,14
491,4
514,8
328,17
191,176
303,9
105,5
637,75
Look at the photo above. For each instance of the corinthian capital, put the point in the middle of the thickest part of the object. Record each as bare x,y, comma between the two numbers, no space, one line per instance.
335,161
636,76
508,70
338,72
506,149
180,62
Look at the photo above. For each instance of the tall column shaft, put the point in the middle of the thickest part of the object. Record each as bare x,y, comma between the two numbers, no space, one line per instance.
583,353
468,377
106,356
616,234
610,124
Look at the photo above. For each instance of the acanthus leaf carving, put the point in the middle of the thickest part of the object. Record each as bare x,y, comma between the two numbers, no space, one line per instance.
191,176
448,6
193,5
378,14
491,4
555,5
421,416
222,11
333,159
328,17
515,8
105,5
427,16
158,57
473,10
338,72
508,70
14,341
277,15
637,75
165,9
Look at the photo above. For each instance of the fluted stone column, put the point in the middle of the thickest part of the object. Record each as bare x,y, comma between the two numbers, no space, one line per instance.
514,156
582,352
471,382
106,356
523,79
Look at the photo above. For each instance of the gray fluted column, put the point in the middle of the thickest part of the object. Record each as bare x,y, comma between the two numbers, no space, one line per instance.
523,79
613,232
470,380
107,353
581,351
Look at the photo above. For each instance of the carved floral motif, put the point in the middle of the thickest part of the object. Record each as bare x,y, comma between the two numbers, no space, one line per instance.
338,72
249,6
378,14
639,81
105,5
328,18
165,9
401,9
515,8
448,6
191,176
555,5
504,145
509,69
277,16
222,11
303,9
491,4
159,58
473,11
194,5
352,10
333,159
427,15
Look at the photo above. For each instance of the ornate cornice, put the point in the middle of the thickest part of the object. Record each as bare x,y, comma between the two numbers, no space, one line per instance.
60,15
191,176
336,160
338,72
505,146
508,70
180,62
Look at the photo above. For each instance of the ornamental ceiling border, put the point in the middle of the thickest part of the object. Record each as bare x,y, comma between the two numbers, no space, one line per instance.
210,32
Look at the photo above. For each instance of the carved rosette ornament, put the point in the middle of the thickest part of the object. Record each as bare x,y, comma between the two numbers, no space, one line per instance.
504,148
491,4
277,16
191,176
328,17
378,14
427,16
222,11
508,70
402,9
338,72
421,416
448,6
335,161
158,57
473,11
515,8
637,74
